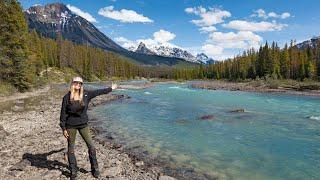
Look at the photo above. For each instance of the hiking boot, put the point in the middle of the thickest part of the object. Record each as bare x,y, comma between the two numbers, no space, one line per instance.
94,163
95,173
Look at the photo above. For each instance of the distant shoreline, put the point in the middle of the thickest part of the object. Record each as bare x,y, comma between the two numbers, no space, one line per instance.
251,86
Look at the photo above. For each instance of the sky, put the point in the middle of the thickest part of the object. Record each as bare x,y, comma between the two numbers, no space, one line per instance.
218,28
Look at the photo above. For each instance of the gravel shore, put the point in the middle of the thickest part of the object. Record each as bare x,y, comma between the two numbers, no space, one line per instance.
33,147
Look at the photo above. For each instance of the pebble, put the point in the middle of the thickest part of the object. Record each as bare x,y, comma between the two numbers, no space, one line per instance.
166,178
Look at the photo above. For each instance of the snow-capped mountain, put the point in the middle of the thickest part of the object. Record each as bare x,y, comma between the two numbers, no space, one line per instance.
143,49
313,42
56,19
173,52
204,58
168,51
53,19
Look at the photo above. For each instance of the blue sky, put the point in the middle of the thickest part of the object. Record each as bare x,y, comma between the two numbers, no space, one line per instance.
218,28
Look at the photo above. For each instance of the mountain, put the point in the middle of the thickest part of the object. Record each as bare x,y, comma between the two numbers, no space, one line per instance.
144,50
168,51
204,58
313,43
53,19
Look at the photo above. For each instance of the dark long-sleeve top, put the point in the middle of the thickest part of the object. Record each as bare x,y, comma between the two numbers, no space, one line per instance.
73,115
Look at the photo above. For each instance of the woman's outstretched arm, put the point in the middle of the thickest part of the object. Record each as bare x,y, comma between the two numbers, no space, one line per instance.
98,92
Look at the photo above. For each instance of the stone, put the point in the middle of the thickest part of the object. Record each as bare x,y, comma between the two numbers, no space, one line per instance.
206,117
166,178
52,174
238,111
111,172
16,108
3,133
20,166
139,163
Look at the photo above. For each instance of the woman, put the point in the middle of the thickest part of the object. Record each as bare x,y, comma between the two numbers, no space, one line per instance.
74,118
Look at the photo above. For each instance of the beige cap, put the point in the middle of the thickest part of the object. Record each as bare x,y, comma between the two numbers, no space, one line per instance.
77,79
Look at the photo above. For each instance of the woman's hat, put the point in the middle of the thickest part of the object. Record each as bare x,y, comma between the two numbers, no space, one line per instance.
77,79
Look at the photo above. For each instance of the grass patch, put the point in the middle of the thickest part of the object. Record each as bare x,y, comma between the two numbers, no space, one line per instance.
7,89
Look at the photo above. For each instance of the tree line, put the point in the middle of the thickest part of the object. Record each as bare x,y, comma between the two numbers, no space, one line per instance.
25,54
290,62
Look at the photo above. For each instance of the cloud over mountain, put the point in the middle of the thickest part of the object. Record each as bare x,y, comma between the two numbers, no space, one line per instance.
124,15
83,14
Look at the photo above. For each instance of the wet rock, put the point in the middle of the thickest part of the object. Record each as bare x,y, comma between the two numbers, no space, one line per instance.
166,178
207,117
20,166
211,175
181,121
237,111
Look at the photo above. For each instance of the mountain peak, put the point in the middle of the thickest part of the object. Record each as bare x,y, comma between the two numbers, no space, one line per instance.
51,19
56,19
204,58
54,13
142,49
311,43
141,45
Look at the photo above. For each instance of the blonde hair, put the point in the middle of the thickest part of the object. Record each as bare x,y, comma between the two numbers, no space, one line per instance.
73,92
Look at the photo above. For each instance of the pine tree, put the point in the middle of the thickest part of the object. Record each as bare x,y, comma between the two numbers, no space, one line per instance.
13,42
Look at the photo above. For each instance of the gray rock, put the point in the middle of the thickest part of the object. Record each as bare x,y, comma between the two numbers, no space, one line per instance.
17,108
166,178
3,133
111,172
52,174
20,166
139,163
238,111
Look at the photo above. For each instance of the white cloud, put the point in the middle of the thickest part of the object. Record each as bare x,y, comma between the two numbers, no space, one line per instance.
126,43
212,50
209,17
161,37
207,29
254,26
123,15
81,13
262,14
240,40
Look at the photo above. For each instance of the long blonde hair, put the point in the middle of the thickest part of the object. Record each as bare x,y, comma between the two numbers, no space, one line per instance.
73,92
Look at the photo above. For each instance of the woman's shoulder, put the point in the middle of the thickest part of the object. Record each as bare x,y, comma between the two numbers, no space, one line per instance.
66,95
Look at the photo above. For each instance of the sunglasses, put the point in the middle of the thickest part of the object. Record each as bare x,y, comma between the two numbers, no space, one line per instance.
77,82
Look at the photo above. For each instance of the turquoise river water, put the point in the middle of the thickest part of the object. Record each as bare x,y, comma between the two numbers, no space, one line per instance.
277,137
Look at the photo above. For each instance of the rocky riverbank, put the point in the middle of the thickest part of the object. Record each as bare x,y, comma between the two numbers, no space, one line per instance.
255,86
33,147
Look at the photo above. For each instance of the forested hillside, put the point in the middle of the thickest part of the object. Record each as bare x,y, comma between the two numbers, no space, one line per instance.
25,55
289,62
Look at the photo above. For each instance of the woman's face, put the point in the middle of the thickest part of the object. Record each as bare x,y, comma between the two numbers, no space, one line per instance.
77,85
